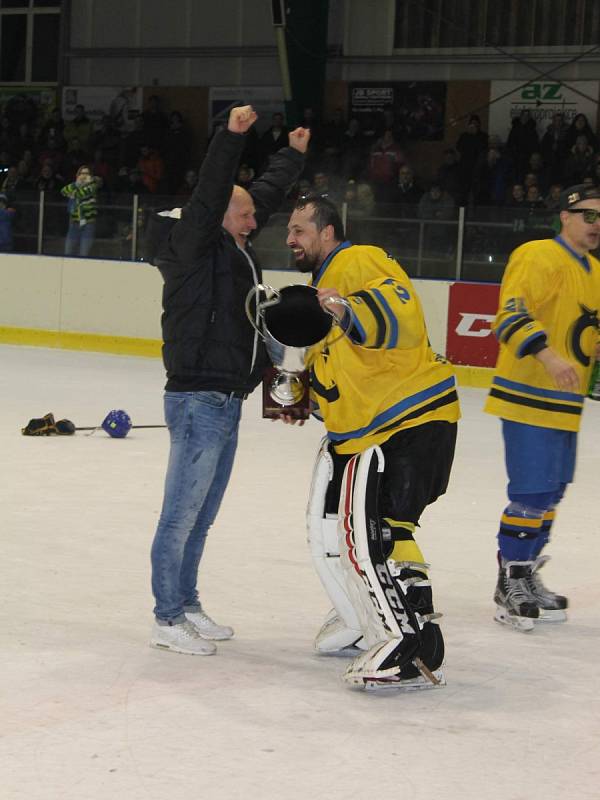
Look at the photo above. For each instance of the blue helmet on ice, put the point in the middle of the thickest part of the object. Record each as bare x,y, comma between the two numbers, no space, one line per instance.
117,423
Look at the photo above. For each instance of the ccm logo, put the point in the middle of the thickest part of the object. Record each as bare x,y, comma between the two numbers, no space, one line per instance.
474,324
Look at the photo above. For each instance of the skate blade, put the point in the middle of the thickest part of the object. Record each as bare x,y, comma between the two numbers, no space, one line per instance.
555,615
417,684
523,624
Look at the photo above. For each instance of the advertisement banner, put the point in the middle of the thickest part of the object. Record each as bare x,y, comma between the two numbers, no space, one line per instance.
471,311
419,106
27,104
543,99
122,103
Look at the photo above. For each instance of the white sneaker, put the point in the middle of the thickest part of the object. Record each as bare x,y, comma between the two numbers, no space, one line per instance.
181,638
207,628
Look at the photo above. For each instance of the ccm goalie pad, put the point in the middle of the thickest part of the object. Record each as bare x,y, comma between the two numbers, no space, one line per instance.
405,649
341,628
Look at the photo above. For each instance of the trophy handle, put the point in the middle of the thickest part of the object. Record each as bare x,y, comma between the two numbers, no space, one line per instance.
341,301
273,297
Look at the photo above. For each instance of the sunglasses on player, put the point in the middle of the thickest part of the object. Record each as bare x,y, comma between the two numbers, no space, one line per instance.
590,215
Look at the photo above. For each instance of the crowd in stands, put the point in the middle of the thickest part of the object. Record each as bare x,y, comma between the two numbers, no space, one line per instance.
366,161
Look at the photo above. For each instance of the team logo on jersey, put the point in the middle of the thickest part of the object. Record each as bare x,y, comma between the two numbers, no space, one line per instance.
587,319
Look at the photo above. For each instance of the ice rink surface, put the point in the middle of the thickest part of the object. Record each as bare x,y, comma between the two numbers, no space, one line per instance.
90,712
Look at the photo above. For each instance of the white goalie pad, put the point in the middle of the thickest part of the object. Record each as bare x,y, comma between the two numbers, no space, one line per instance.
341,628
373,592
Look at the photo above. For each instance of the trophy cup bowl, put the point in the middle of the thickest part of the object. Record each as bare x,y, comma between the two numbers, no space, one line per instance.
293,326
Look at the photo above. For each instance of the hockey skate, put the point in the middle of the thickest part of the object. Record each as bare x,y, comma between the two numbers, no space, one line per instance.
515,605
552,606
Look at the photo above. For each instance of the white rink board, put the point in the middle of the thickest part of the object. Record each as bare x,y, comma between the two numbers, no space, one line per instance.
123,298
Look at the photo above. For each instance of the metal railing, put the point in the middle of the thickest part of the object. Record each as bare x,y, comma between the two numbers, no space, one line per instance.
468,244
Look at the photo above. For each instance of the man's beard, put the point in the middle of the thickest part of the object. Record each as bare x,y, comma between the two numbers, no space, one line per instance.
304,266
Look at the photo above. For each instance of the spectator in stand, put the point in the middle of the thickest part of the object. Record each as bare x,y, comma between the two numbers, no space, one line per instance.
107,137
448,174
79,130
52,152
73,159
102,169
552,200
470,145
133,143
53,127
151,167
156,123
536,166
353,150
48,181
10,184
581,127
385,160
7,218
491,178
580,161
83,212
177,151
407,192
24,140
245,176
129,182
274,138
553,146
436,205
522,141
26,180
7,134
529,179
517,196
190,179
533,198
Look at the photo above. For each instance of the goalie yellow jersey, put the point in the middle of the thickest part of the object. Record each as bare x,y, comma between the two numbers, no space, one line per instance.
384,376
549,295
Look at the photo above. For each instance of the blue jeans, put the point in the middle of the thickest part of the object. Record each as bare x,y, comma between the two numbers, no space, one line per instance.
80,239
203,427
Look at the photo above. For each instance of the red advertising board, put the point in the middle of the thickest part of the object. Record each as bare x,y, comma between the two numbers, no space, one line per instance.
471,311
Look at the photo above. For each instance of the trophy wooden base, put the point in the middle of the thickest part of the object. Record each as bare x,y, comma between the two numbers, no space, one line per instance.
271,409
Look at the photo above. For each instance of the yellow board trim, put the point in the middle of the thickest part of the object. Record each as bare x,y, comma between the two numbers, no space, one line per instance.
475,377
73,340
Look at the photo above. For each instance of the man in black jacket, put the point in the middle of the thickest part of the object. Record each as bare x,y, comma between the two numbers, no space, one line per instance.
214,359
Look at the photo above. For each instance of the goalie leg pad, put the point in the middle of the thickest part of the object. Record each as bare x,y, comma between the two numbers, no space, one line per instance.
379,600
341,628
401,663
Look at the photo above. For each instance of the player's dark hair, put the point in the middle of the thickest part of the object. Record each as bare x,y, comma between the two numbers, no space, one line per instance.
324,213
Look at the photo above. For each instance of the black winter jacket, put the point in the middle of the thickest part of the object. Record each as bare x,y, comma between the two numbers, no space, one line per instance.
209,344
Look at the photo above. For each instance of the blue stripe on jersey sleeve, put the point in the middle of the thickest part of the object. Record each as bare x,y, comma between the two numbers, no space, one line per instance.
393,340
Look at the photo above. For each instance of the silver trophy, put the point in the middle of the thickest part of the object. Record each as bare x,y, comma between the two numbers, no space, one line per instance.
295,328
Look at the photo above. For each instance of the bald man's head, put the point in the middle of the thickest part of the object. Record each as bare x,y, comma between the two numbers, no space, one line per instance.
239,218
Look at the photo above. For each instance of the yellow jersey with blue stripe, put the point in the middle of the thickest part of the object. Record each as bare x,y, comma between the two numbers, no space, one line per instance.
550,295
383,376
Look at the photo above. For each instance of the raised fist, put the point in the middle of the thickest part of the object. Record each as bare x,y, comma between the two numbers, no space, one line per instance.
241,118
299,139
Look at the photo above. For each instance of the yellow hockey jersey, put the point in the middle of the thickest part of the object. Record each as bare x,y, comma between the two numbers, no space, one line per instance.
384,376
549,294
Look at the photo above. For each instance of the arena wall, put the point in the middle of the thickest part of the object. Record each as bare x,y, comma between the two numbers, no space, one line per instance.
115,306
